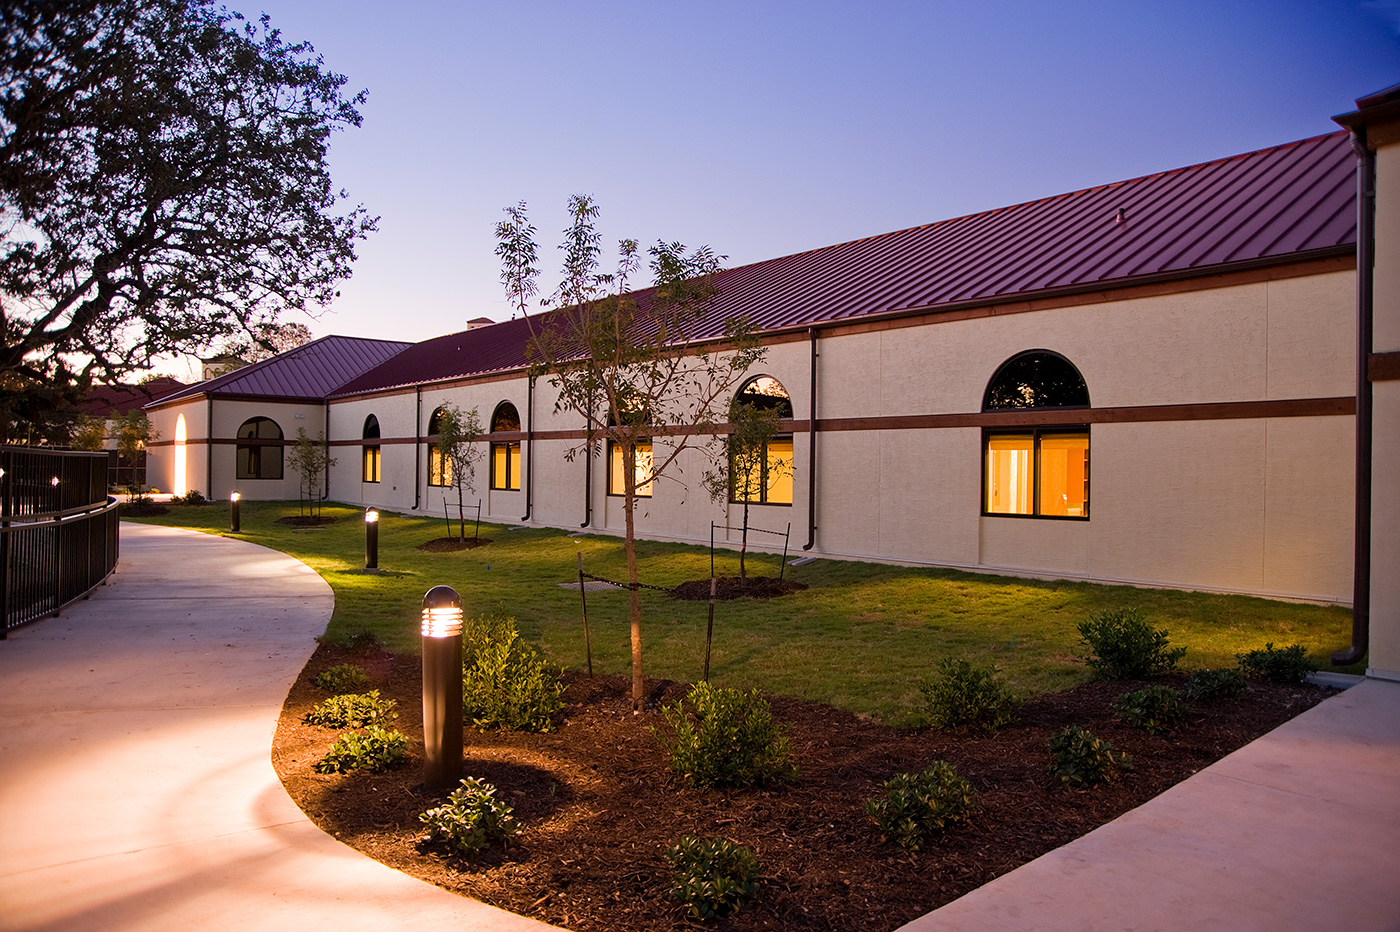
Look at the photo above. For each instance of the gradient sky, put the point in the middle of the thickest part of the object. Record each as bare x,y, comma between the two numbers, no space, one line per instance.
767,128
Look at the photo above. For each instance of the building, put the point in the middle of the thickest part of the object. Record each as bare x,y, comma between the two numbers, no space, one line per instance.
1148,382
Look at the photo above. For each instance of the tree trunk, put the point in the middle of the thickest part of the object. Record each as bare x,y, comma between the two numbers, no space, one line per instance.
744,541
629,546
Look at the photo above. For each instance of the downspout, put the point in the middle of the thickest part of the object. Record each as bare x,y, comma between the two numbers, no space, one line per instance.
588,478
812,447
1365,263
417,446
326,437
529,451
209,444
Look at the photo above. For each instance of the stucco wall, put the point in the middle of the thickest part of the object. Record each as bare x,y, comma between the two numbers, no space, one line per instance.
1385,494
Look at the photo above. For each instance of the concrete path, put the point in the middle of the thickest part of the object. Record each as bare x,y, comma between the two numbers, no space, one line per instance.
136,787
136,791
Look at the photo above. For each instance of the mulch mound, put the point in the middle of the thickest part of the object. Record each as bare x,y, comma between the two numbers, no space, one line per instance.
732,587
599,805
453,544
307,520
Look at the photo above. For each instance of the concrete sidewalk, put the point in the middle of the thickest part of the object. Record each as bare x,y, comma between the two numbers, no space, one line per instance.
136,790
136,787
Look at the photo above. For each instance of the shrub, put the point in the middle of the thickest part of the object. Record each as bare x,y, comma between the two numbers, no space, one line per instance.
1277,664
961,694
1210,685
725,737
352,710
472,818
713,876
505,682
916,805
1082,760
375,749
343,678
192,497
1153,708
1125,647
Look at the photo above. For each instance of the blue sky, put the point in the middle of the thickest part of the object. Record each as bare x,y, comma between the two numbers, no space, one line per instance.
767,128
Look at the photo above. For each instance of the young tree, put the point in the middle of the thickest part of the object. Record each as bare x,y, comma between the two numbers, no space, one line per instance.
310,459
133,433
631,364
458,433
746,471
163,183
89,433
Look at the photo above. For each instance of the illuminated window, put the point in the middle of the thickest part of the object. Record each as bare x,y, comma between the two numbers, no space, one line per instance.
641,469
505,455
369,453
439,466
1038,471
761,473
259,451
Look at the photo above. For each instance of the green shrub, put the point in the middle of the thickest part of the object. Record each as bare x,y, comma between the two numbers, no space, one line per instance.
192,497
1152,708
725,737
1125,647
713,876
1082,760
916,805
352,710
505,682
472,818
343,678
375,749
1210,685
961,694
1277,664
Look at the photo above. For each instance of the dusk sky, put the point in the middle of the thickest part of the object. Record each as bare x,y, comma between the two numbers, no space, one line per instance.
767,128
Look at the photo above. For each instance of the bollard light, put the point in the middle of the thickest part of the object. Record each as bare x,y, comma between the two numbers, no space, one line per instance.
234,524
442,687
371,539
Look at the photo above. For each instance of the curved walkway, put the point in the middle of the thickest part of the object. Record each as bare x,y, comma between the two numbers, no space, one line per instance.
136,789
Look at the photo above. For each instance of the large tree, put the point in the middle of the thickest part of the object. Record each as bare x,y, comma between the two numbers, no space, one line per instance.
163,184
634,365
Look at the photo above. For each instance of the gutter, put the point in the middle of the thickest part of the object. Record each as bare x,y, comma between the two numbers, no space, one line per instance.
812,446
1365,276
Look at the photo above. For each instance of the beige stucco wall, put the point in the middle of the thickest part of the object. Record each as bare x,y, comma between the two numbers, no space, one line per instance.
1385,491
161,457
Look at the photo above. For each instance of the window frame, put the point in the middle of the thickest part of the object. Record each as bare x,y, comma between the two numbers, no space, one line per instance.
507,477
249,461
439,469
370,457
783,403
1037,434
616,447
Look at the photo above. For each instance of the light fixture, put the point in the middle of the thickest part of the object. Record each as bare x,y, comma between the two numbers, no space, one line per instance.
235,524
442,687
371,539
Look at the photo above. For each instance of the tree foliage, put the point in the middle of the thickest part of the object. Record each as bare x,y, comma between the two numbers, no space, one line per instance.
741,475
163,183
267,340
631,364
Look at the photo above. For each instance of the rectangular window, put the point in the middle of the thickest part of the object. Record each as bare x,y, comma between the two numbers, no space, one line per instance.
439,467
769,483
1037,472
641,470
260,462
371,464
505,466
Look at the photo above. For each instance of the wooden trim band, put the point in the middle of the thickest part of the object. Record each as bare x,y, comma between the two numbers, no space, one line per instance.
1383,367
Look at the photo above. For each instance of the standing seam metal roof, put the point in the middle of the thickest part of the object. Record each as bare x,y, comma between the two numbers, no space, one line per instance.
1279,203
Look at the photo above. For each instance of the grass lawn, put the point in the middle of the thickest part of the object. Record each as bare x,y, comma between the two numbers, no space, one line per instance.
860,637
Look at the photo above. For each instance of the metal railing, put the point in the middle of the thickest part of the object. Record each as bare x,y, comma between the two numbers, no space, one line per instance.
58,531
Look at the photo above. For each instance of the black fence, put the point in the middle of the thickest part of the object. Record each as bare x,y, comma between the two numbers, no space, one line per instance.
58,531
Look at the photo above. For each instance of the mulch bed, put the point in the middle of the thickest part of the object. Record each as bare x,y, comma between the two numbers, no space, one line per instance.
453,544
600,807
307,520
732,587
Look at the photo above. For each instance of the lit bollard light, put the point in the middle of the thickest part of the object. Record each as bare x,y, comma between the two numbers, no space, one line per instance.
235,525
442,687
371,539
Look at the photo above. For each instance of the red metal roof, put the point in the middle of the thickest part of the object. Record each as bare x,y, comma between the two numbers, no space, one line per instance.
310,371
1279,204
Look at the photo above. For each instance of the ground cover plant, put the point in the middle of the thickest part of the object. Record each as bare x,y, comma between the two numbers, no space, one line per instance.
960,694
861,637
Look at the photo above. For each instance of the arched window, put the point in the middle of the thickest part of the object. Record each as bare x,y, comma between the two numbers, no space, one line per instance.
1040,470
259,451
505,454
369,452
760,457
439,467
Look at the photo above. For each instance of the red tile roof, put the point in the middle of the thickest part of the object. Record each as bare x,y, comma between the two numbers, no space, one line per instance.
1280,204
311,371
